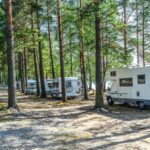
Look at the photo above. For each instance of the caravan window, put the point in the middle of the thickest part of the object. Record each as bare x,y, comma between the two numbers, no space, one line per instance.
68,84
113,73
78,83
56,84
126,82
50,85
32,84
141,79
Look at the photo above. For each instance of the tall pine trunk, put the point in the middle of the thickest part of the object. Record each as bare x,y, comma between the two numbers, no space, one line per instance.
25,68
23,71
90,73
21,78
63,87
137,33
36,72
125,30
41,67
49,40
99,78
143,33
35,57
83,58
12,98
71,53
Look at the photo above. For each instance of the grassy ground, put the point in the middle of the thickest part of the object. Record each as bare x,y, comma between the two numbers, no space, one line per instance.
50,124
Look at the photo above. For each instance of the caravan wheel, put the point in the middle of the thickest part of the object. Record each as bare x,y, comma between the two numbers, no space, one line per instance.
110,101
141,105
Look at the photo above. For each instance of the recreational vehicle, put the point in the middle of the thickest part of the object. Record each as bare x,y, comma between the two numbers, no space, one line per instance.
3,86
31,87
73,87
49,86
129,85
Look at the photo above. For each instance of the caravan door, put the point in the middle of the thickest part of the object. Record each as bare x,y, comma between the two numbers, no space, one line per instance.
113,89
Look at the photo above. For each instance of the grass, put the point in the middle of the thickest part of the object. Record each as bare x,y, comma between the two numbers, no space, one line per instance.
3,107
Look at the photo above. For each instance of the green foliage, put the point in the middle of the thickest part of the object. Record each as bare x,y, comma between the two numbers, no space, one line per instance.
110,12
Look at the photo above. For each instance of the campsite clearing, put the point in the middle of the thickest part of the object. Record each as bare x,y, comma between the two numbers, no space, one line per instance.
46,124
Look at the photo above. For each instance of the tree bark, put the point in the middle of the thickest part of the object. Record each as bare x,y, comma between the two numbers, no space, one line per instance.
41,67
90,74
25,68
21,72
137,33
83,58
12,98
99,78
71,63
125,30
35,58
143,33
63,87
36,73
49,41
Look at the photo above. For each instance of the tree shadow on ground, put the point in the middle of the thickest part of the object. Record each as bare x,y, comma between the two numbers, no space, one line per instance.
114,143
26,138
121,112
114,135
54,117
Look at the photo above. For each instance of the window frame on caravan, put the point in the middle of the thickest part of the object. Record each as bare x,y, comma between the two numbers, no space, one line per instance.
69,87
113,73
138,79
68,84
126,84
50,85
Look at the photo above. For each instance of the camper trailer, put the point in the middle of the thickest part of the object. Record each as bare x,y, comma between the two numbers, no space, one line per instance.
129,85
31,87
49,86
73,87
3,86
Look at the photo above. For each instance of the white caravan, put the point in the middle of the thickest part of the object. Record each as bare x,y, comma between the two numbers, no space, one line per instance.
49,85
129,85
73,87
31,87
3,86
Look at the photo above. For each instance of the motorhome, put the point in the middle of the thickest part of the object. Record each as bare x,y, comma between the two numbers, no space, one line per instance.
3,86
73,87
31,87
49,85
129,85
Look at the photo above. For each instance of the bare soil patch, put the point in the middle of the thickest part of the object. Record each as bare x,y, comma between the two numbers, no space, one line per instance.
50,124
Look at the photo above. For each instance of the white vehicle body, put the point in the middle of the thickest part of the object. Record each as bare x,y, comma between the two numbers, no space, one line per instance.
31,87
73,87
3,86
129,85
49,85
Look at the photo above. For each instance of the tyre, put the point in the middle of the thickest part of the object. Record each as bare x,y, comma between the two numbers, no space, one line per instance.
141,105
110,101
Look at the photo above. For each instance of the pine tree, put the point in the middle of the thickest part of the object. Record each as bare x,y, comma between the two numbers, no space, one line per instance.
12,99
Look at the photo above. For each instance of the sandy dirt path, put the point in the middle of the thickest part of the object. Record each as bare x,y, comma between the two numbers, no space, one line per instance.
43,124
